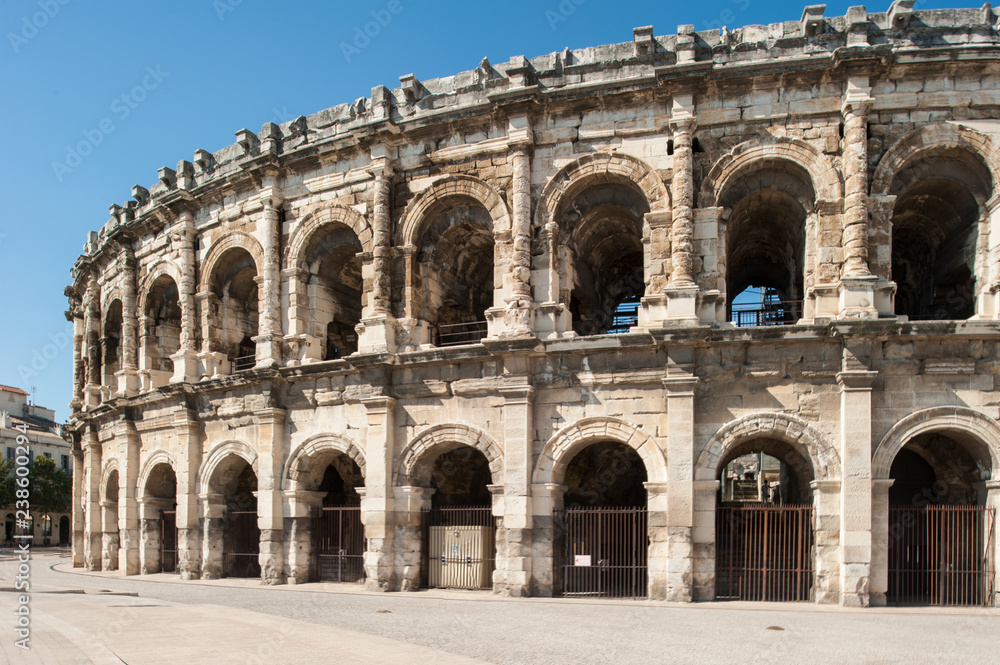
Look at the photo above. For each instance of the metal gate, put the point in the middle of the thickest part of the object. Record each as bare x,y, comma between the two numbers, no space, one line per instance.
942,555
763,552
338,545
168,541
459,549
241,544
604,552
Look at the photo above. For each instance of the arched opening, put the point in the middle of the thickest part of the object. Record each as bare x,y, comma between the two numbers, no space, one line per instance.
336,288
765,243
337,534
232,506
46,529
605,277
935,228
764,523
940,530
161,337
111,345
159,521
455,265
604,527
111,540
234,285
63,531
459,539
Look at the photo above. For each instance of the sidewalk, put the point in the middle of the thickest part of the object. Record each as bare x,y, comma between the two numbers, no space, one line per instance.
74,628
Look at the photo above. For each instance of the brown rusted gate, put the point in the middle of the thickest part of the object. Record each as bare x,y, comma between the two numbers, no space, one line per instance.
168,541
763,552
241,545
338,544
603,552
942,555
459,550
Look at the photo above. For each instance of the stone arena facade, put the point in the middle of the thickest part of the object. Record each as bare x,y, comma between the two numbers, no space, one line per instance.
447,293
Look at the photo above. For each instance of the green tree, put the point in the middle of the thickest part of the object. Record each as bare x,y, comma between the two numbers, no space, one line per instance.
6,482
51,488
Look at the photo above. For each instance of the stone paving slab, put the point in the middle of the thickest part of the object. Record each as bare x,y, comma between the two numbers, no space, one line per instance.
115,629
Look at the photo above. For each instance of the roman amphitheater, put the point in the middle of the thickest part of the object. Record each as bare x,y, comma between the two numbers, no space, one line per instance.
706,315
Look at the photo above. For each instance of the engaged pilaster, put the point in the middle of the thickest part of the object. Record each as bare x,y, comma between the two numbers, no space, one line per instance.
376,332
186,359
269,341
682,291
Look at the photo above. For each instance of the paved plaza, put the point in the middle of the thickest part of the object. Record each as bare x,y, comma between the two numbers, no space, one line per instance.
80,618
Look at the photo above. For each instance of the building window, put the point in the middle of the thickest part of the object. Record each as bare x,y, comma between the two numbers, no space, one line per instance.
10,453
65,463
48,455
46,526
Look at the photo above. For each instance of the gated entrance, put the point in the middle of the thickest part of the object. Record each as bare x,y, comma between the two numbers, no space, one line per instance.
942,555
764,552
603,552
241,545
168,541
459,550
338,545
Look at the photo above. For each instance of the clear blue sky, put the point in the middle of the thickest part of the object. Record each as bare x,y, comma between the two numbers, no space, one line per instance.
223,65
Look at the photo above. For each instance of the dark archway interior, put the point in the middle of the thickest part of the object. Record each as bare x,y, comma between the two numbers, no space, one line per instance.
336,288
163,324
340,481
766,231
461,477
162,483
457,257
787,472
940,468
112,342
934,233
239,491
111,491
606,474
234,283
603,223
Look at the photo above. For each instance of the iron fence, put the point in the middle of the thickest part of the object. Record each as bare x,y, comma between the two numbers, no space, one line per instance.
241,544
604,552
338,545
168,541
454,334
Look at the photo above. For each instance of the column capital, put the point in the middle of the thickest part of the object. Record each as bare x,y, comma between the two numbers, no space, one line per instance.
856,380
882,484
825,486
679,386
379,404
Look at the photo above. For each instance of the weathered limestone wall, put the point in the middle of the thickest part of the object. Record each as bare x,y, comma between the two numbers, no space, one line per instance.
473,236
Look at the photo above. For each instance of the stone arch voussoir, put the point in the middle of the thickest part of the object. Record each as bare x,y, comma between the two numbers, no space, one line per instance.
444,438
297,468
315,220
218,455
415,214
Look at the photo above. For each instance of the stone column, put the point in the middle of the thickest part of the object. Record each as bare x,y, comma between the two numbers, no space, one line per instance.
546,502
93,529
187,430
519,303
513,563
128,510
128,375
682,291
75,315
186,359
213,522
678,492
666,578
856,486
150,526
881,532
270,515
378,505
214,362
110,535
305,346
410,502
377,330
682,193
706,495
827,528
856,291
79,501
92,305
269,340
300,507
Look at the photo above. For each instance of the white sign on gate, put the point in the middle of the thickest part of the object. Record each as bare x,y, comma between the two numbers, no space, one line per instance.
581,560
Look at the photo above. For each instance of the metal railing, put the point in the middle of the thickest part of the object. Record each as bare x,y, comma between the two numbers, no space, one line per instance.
942,555
241,544
243,363
338,544
454,334
775,313
603,552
